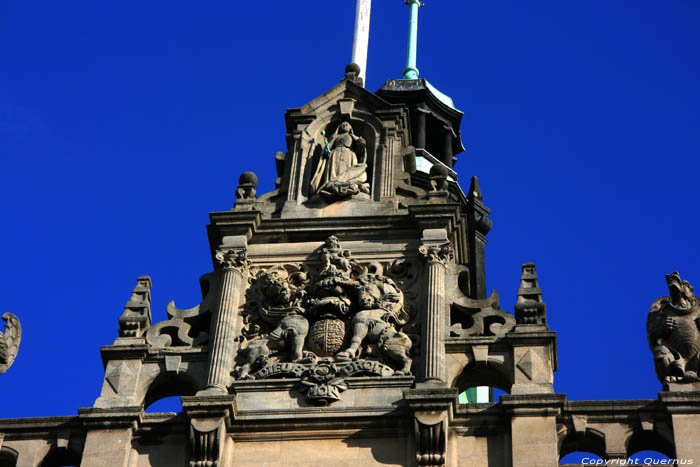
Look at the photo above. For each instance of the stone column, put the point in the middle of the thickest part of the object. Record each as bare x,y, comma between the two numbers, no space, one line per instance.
234,265
436,251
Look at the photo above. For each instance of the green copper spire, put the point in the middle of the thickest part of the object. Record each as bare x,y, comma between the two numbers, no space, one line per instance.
411,72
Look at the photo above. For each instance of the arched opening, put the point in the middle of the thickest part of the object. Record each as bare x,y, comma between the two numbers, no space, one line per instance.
648,441
590,444
582,458
8,457
488,375
167,404
648,457
169,385
61,457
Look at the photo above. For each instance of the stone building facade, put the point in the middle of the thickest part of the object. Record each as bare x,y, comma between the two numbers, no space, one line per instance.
346,312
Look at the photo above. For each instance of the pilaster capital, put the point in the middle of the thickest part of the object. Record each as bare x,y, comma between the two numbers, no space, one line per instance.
233,260
437,253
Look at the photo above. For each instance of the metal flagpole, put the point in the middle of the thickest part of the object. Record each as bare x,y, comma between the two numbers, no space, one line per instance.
411,72
361,40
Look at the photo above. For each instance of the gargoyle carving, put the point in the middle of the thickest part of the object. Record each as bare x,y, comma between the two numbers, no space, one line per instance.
9,341
186,328
673,331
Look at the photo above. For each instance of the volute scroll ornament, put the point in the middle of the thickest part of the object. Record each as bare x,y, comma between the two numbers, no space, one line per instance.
190,327
673,330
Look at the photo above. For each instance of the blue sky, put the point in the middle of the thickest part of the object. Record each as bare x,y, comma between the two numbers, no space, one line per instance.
123,124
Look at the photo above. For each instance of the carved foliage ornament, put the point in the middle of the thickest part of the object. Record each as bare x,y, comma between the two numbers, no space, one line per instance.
313,323
673,330
434,254
233,260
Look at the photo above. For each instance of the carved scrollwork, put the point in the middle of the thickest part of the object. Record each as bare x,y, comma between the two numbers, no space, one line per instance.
186,328
480,317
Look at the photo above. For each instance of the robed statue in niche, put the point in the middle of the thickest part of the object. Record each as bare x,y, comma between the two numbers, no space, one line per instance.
342,170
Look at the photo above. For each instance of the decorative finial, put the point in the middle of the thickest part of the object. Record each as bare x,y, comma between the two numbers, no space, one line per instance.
361,41
136,318
475,190
530,309
246,191
411,72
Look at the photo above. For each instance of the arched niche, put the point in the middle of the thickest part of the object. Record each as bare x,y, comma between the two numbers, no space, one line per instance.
364,124
169,385
591,441
8,457
61,457
649,441
582,458
490,374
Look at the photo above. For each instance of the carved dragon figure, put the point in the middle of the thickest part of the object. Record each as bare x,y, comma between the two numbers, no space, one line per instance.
9,341
673,329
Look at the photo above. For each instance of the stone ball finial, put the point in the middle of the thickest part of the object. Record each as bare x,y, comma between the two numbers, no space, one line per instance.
352,73
248,178
439,170
352,68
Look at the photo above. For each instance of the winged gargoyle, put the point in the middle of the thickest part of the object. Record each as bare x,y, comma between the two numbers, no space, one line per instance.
673,329
9,341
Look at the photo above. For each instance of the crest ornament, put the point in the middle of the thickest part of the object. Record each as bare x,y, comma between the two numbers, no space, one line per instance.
318,323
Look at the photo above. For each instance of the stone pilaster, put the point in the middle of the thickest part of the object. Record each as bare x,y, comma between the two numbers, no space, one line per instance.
234,265
436,251
534,428
109,435
684,408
